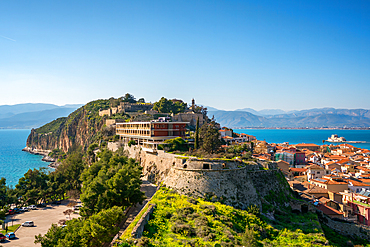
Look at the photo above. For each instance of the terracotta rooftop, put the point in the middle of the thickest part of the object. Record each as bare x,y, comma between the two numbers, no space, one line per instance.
307,145
328,181
328,210
314,166
293,169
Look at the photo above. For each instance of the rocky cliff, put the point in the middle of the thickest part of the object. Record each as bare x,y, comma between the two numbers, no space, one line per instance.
81,128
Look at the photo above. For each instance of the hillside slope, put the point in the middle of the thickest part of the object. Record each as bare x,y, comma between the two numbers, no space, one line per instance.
81,128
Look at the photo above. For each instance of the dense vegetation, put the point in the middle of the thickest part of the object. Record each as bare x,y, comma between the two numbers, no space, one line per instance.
114,180
106,185
168,106
53,126
184,221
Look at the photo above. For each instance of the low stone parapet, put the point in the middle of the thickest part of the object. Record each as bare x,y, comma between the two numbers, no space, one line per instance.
137,232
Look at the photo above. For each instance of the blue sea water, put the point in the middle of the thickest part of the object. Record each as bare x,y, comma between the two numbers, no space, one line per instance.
14,163
295,136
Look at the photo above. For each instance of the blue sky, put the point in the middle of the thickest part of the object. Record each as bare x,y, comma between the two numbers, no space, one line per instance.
225,54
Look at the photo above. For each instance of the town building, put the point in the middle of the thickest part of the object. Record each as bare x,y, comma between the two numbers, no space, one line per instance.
309,146
150,134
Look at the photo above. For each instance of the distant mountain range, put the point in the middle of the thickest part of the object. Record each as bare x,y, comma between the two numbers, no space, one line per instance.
312,118
30,115
26,116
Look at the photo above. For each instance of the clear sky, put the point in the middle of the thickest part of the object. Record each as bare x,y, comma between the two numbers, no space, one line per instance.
225,54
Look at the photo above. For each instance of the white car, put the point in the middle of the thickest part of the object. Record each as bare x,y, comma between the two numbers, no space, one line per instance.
77,207
24,209
33,207
28,223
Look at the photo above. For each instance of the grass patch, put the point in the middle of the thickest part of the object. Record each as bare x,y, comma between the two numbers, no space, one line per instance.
179,220
10,228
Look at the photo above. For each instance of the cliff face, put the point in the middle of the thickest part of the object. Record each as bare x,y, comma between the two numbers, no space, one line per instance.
80,128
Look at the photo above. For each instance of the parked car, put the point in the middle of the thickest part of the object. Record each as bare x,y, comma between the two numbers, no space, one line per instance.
41,205
11,211
10,235
2,237
24,209
28,223
32,207
16,210
77,207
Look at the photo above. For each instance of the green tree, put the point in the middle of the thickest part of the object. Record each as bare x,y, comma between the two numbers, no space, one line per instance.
178,107
129,98
175,144
114,180
210,137
90,152
168,106
51,238
32,186
163,105
196,141
94,231
141,100
3,192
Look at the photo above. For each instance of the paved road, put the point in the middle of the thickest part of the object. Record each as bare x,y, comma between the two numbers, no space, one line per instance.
43,218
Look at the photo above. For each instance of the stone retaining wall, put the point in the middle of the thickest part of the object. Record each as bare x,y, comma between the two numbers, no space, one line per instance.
137,232
344,228
229,181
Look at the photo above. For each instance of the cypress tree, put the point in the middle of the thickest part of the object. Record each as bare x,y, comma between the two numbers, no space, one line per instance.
196,142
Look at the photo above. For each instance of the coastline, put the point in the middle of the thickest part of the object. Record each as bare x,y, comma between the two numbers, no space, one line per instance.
45,153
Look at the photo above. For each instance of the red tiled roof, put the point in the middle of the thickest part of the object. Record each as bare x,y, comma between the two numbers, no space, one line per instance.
307,145
293,169
328,210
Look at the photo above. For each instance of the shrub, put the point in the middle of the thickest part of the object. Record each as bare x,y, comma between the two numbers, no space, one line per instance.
131,142
183,229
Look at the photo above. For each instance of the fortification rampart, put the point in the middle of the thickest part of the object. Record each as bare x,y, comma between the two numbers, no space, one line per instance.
232,182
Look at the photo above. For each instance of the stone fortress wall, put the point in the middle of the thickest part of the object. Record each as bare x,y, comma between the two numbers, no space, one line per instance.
231,182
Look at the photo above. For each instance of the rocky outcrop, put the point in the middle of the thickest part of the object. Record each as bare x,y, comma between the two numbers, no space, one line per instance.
80,128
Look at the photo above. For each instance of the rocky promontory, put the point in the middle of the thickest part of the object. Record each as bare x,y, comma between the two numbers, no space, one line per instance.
80,128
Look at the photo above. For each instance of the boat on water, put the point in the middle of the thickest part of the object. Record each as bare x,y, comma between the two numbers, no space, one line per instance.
335,138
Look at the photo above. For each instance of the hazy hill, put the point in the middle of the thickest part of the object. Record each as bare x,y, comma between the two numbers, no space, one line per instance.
263,112
325,117
26,116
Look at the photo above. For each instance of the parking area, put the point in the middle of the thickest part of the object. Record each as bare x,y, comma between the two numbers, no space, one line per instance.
42,218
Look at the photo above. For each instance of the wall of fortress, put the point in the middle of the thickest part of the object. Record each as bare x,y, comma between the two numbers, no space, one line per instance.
231,182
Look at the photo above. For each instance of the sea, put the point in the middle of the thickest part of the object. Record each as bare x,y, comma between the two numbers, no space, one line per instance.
316,136
14,163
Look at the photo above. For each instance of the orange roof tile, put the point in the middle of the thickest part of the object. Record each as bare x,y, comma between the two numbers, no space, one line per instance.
328,210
